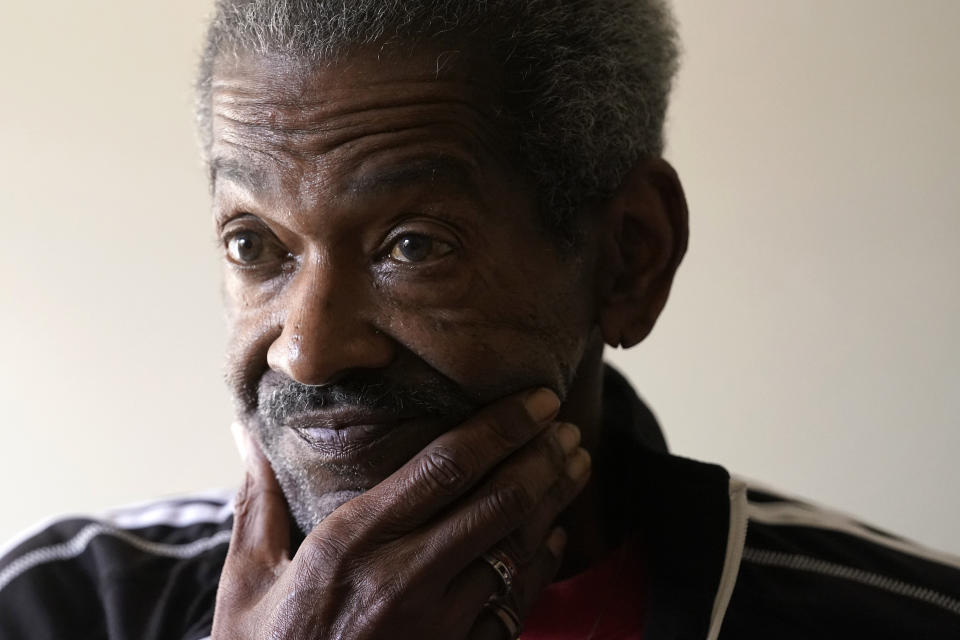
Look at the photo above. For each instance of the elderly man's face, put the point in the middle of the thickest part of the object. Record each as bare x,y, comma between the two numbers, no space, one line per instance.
386,270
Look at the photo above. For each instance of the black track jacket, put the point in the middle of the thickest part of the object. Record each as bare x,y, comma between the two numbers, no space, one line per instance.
726,559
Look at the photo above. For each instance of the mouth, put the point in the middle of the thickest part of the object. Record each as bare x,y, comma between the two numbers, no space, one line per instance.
349,435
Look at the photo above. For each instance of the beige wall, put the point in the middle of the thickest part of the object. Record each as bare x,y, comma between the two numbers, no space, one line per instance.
810,340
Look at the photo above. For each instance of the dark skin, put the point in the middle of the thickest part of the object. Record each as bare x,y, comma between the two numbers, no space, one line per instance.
374,224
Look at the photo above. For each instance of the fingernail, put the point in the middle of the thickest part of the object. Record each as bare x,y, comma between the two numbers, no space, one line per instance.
557,541
542,404
578,465
240,440
568,436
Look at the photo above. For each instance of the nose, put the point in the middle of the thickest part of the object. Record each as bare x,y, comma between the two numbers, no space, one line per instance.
325,332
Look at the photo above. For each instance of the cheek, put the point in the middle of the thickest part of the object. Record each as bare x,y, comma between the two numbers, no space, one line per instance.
491,330
250,331
502,330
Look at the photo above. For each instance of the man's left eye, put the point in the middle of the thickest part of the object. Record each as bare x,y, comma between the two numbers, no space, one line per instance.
414,247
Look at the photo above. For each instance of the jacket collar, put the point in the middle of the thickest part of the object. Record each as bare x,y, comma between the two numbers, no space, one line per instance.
680,507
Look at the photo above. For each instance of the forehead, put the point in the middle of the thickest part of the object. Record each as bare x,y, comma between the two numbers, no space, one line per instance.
434,109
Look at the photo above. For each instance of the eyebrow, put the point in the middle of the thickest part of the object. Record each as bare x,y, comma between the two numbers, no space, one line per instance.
230,169
432,170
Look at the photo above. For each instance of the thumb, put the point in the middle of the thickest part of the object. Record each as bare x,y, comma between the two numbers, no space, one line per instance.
261,525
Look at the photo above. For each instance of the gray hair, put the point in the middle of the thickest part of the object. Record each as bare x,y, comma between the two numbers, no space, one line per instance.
586,81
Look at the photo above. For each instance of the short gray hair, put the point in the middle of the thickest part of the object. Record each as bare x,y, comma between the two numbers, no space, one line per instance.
587,81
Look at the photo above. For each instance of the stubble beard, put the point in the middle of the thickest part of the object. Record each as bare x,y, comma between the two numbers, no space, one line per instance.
305,481
431,393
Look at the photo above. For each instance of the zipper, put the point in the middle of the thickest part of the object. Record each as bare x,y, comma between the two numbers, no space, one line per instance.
736,540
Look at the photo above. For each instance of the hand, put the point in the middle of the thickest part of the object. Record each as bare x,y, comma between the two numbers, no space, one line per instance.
402,560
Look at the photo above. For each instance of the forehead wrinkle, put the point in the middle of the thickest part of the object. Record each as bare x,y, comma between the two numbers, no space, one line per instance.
428,169
309,132
320,94
255,146
256,177
257,138
302,116
288,106
325,139
444,152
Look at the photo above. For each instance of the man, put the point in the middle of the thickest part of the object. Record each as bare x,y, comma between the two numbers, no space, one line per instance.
434,216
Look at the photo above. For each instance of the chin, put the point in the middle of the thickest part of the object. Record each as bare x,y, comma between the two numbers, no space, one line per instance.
309,511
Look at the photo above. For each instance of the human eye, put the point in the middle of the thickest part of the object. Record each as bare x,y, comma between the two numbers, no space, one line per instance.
247,247
416,248
244,247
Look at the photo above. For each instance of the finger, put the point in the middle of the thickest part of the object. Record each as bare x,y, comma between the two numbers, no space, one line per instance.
494,510
523,543
261,527
479,580
533,578
456,461
527,538
493,626
543,570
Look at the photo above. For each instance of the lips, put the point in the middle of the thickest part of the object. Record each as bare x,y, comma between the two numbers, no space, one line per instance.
345,434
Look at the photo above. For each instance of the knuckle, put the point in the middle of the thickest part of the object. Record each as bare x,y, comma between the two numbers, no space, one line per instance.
563,492
321,555
440,470
351,521
509,501
549,448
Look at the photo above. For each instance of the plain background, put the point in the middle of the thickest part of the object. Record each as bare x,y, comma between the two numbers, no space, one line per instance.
810,340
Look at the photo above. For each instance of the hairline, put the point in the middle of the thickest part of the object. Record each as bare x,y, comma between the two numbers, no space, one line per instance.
586,84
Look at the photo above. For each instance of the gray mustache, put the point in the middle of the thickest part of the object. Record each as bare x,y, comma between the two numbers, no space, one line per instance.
280,397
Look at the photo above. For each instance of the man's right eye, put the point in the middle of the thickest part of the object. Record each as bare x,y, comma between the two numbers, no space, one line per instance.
244,247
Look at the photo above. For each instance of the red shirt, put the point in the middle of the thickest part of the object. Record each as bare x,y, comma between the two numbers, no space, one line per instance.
605,602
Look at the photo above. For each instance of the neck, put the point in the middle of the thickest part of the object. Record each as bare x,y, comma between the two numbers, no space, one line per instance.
588,539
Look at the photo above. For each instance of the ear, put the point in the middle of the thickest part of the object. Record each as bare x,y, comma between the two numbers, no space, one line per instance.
642,243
